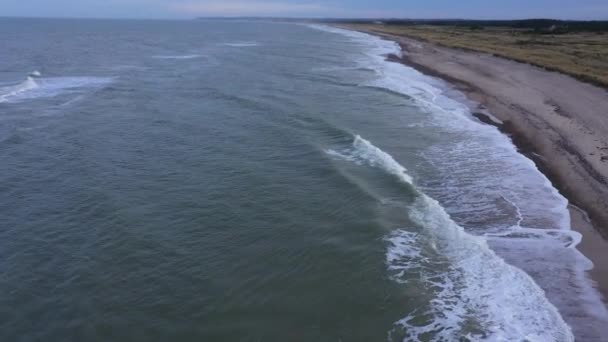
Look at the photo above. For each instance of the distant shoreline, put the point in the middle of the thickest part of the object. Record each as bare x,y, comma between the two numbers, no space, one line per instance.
555,120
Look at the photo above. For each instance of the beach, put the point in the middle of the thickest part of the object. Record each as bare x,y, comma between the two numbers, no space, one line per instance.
556,120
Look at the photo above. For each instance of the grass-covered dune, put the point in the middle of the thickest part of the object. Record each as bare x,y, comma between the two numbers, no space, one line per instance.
581,52
534,25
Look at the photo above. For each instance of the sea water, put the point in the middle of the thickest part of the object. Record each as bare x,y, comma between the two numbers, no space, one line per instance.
260,181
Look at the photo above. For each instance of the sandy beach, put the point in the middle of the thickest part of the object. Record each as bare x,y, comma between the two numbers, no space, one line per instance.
554,119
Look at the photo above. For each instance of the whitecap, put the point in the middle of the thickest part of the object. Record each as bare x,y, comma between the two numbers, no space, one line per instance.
39,87
241,44
193,56
11,92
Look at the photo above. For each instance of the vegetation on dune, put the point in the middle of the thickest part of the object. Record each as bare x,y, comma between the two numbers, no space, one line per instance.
579,53
533,25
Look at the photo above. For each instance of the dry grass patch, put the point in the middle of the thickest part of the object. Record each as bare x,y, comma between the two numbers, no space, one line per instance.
582,55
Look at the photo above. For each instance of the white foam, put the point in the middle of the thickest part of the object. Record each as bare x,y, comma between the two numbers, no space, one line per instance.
6,93
504,299
566,238
365,152
38,87
477,284
348,33
404,253
241,44
335,68
193,56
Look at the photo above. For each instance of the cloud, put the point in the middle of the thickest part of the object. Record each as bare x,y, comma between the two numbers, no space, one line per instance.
249,8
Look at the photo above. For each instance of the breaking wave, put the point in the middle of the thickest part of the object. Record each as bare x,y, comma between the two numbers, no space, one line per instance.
475,292
36,86
241,44
178,56
6,93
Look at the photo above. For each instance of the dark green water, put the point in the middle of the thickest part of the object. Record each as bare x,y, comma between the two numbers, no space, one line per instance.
247,181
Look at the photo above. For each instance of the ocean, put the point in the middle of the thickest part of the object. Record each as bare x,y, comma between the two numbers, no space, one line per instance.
216,180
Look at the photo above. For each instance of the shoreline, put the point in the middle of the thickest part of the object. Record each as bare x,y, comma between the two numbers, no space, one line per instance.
588,164
540,111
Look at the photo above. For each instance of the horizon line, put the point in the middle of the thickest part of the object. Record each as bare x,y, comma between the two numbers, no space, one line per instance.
302,18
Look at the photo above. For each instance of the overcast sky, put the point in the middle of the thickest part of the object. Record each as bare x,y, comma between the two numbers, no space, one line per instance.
487,9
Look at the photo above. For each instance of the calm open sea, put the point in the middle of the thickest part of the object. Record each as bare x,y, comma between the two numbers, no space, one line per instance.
252,181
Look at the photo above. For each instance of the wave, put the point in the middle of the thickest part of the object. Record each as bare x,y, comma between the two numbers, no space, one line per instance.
474,284
6,93
343,32
241,44
35,86
178,56
364,152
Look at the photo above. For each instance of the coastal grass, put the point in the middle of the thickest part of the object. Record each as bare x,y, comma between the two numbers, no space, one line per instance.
583,55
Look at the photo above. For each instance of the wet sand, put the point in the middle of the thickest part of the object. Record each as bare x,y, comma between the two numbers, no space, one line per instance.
559,122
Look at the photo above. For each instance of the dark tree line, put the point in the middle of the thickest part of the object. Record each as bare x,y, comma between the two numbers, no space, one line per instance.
534,25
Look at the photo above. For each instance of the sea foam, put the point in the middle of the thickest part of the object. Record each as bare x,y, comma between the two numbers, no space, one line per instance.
191,56
475,284
241,44
35,86
6,93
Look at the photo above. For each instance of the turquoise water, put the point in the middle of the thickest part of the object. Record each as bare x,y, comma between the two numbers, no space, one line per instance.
249,181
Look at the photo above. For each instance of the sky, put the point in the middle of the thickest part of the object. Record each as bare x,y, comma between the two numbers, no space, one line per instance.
177,9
